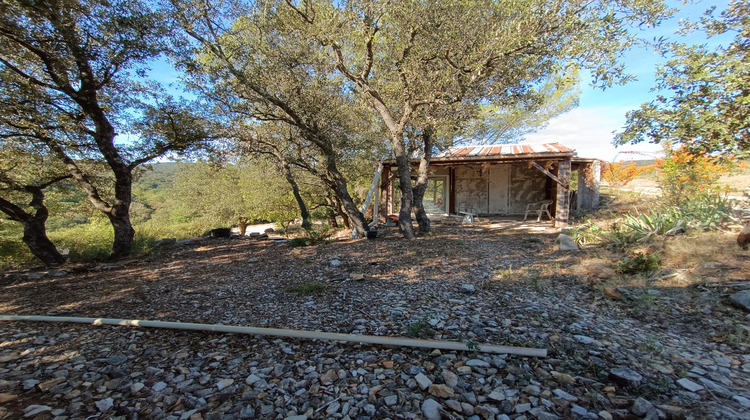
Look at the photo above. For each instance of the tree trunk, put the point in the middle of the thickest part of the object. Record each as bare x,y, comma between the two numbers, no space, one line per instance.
119,216
118,212
339,185
34,227
35,237
422,178
331,218
304,212
243,222
404,177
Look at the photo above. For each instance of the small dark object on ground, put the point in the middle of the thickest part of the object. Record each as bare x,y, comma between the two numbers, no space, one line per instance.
220,233
372,234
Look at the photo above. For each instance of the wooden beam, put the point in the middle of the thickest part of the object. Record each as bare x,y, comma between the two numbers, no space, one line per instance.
277,332
550,174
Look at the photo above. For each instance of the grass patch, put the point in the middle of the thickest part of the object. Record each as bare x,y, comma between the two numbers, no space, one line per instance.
419,329
309,288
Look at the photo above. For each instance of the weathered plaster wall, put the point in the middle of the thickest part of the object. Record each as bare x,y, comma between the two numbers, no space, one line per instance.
471,189
527,185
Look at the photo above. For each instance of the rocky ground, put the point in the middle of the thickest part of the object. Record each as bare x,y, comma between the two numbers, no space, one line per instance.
654,352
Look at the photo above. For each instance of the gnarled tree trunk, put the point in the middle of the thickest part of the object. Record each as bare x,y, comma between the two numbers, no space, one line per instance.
421,185
34,226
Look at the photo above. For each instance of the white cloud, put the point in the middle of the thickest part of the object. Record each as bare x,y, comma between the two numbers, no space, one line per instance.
589,130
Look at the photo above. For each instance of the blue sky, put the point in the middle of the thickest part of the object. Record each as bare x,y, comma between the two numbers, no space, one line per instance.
589,128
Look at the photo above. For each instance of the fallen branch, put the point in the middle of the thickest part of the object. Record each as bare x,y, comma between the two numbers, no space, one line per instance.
310,335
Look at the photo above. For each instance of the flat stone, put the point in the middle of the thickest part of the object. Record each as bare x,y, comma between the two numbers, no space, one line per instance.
497,396
47,385
559,393
35,409
423,381
713,386
454,405
477,363
333,408
742,400
522,408
468,288
641,406
29,383
159,386
105,404
611,293
328,377
532,390
565,243
298,417
431,409
391,400
116,360
450,378
689,385
741,299
563,377
579,411
626,377
5,397
136,387
224,383
543,415
251,379
584,339
604,415
442,391
486,411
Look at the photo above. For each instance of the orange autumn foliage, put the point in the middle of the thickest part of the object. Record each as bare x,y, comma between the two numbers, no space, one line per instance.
619,174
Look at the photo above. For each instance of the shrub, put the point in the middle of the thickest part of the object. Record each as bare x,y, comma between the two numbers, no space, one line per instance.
619,174
685,176
639,262
295,242
419,329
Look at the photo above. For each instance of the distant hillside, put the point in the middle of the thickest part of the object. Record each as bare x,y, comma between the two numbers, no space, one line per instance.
640,163
160,176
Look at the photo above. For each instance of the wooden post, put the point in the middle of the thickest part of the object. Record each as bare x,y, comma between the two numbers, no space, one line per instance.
596,174
385,185
563,197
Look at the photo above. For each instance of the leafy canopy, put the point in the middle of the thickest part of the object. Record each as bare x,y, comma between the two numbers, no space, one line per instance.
706,107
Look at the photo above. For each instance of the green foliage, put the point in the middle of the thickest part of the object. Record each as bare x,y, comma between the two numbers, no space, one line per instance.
706,212
309,288
419,328
221,194
499,123
13,252
297,242
707,104
639,262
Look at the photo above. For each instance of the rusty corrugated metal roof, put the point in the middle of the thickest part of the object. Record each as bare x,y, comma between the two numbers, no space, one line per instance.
504,150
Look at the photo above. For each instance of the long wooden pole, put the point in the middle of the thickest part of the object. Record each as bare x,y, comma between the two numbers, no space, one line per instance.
277,332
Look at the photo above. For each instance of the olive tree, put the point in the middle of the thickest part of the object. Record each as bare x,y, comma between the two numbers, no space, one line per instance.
69,70
407,55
